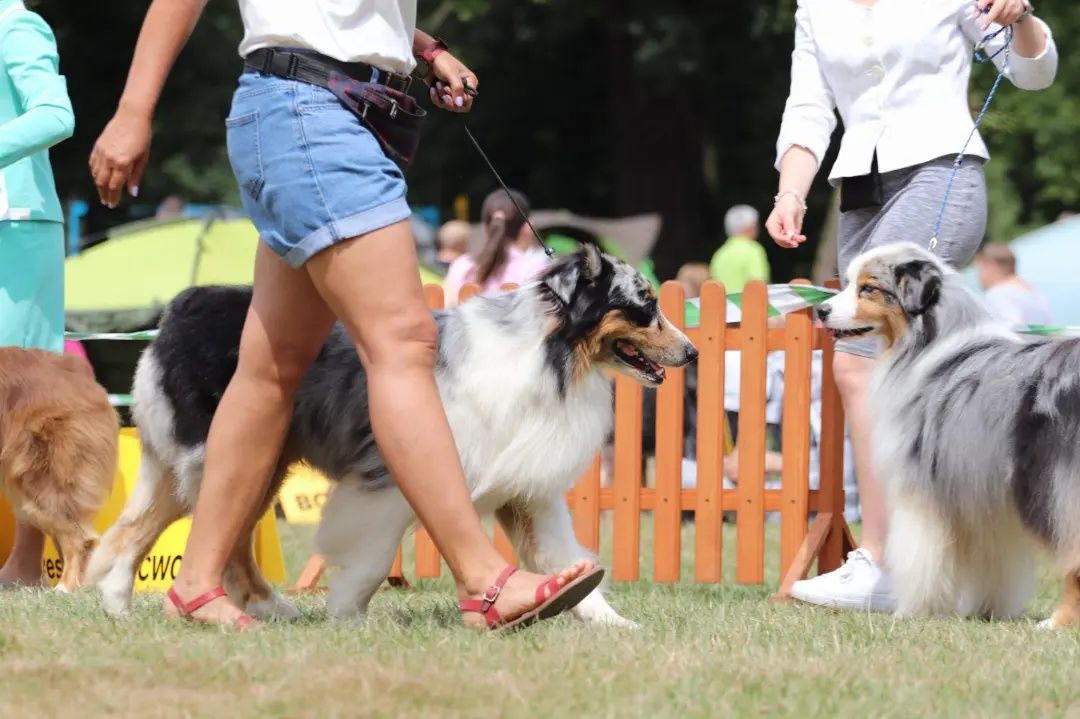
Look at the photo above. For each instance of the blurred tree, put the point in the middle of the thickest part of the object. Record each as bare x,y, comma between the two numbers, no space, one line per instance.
603,107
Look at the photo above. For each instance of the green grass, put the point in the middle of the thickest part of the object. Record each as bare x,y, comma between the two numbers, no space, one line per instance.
703,651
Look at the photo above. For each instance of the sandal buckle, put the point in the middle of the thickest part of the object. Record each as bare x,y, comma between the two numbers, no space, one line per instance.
492,594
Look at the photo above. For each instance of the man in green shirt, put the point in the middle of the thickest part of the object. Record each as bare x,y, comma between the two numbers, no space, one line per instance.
741,258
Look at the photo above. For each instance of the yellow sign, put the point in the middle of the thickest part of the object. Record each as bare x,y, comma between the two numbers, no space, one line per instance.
303,494
161,565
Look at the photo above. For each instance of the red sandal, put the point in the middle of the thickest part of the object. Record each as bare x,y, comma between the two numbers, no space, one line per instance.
241,623
550,599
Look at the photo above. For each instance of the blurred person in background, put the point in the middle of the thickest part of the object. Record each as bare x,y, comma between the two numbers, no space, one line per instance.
692,276
741,258
509,255
453,241
35,114
1010,298
898,73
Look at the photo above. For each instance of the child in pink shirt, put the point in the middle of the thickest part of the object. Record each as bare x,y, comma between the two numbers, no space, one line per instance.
510,253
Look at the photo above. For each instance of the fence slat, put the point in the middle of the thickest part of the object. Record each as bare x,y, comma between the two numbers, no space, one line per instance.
503,544
709,513
667,517
587,507
627,485
831,494
750,518
795,487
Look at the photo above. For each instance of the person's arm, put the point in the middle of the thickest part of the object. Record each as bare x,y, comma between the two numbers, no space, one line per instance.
1033,56
448,90
29,55
805,131
121,152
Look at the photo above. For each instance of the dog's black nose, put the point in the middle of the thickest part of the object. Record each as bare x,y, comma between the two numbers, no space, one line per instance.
691,354
823,312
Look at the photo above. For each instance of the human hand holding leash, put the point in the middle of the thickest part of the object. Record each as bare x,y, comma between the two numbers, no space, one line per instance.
451,78
1002,12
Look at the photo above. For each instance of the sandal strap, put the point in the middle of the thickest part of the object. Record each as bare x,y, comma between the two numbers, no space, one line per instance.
485,605
547,590
188,608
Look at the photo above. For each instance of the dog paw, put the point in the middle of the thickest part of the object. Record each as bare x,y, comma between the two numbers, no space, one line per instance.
1046,625
274,606
116,606
621,623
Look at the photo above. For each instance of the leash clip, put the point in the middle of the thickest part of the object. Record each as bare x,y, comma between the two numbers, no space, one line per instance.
393,109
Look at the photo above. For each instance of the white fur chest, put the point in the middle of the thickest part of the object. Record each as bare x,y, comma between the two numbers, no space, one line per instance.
516,435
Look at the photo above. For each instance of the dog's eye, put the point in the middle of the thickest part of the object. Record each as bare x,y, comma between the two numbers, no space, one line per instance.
867,290
642,316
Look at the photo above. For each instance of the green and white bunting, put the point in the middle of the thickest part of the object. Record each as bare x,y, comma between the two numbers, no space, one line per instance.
783,299
143,336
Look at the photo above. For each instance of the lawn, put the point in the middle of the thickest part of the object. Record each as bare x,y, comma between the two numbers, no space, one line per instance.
702,651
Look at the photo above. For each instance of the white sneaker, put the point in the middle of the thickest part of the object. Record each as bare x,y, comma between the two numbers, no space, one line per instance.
859,584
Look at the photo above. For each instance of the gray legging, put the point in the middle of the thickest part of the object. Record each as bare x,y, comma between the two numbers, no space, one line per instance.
912,201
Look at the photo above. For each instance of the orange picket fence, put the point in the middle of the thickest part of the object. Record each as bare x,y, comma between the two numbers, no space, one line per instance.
826,538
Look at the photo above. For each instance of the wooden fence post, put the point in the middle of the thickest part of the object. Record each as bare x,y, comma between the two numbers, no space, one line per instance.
750,516
627,484
795,489
709,514
667,515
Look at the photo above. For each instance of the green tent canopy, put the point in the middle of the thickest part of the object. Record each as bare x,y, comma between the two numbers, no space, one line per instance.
122,284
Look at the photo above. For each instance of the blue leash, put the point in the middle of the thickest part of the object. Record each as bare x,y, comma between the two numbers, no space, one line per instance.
981,58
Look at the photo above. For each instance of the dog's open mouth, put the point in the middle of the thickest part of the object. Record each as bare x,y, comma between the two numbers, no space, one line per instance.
841,334
632,357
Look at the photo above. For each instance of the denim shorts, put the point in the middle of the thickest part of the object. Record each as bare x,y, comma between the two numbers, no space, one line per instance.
310,172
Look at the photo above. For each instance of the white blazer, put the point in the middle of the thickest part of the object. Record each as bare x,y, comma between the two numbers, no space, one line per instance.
898,73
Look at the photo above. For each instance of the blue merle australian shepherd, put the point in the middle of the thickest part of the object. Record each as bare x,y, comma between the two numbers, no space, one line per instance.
976,437
522,377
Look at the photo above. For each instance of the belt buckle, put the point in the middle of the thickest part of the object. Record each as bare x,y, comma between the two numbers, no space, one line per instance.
399,82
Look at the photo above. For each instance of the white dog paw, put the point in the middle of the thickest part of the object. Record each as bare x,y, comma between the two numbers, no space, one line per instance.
274,606
1046,625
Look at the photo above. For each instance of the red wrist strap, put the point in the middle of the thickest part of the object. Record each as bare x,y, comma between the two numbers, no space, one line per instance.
436,48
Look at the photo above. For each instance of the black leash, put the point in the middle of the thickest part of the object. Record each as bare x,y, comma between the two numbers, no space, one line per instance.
547,250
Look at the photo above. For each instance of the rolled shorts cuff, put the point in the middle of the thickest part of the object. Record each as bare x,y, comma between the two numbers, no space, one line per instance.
371,219
868,347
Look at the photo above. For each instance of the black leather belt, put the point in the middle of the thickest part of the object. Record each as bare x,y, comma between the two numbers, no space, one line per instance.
313,68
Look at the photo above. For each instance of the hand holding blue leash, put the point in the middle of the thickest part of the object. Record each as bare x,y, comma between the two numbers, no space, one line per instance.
983,58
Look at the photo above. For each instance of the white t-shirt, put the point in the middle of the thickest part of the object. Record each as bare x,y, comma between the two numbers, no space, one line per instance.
378,32
1016,304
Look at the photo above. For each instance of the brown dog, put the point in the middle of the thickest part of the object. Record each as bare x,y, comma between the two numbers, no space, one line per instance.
58,436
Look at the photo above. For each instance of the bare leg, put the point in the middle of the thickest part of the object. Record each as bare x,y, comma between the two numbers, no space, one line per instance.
23,565
395,335
853,380
285,328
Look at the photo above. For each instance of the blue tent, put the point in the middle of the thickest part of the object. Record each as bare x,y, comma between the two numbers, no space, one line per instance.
1048,258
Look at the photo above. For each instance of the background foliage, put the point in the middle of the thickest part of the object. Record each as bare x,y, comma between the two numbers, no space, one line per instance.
605,107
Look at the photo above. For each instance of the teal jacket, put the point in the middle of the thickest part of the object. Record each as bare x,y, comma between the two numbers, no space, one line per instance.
35,114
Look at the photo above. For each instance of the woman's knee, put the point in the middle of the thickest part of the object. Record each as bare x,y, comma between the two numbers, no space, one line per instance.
276,367
852,373
406,338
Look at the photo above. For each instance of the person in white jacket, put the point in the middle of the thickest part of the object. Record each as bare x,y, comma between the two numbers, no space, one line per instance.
897,72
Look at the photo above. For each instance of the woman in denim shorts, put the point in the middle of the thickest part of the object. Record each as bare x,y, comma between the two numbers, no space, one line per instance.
330,208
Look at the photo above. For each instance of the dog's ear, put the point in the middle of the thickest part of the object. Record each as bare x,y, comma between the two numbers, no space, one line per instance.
585,265
918,285
591,261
